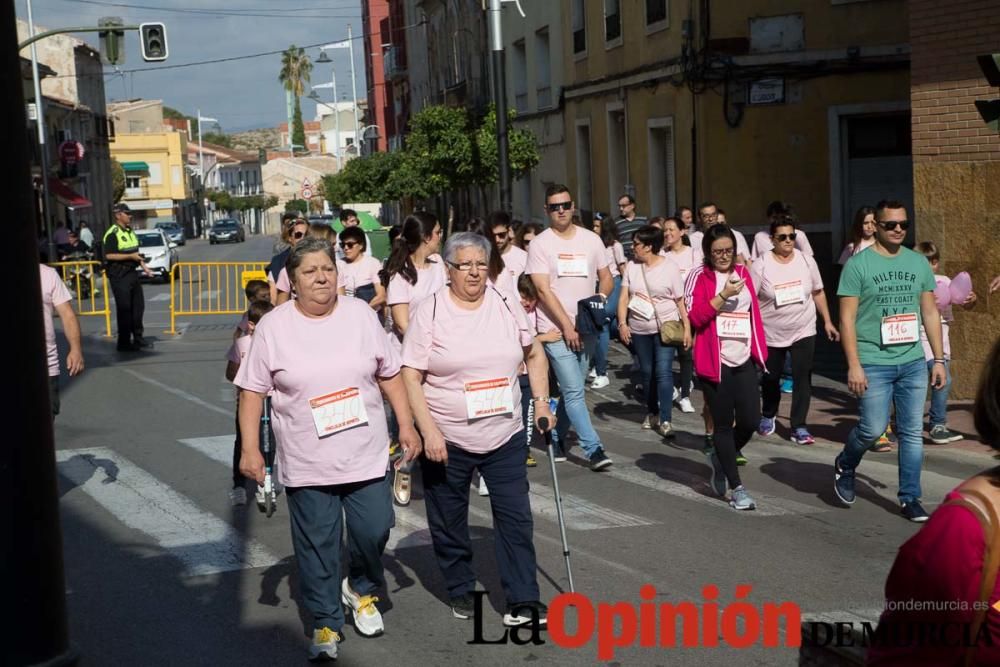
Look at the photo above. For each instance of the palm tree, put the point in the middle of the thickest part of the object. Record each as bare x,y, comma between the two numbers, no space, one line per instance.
296,69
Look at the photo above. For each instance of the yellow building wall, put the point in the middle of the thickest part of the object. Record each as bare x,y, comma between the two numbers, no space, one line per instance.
167,149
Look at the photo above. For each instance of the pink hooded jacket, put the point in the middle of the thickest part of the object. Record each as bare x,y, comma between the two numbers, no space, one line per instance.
699,289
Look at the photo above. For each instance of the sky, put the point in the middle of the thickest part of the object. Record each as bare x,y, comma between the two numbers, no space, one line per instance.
243,93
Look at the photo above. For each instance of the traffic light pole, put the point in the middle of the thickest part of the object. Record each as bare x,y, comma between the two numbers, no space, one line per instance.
31,551
500,102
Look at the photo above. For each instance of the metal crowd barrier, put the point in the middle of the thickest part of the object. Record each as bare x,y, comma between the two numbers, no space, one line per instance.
88,284
210,288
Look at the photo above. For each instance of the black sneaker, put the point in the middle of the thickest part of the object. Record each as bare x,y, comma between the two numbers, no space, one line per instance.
462,606
128,347
523,613
843,482
914,511
142,342
599,460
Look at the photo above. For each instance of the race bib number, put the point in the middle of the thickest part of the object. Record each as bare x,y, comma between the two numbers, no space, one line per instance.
488,398
642,306
788,293
572,266
900,329
339,411
734,325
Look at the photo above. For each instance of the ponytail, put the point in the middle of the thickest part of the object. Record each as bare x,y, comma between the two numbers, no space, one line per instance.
417,228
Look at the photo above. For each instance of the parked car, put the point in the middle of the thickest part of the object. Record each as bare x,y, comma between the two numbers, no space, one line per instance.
159,252
173,230
227,231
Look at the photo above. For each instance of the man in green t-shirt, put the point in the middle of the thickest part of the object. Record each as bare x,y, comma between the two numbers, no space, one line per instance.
886,291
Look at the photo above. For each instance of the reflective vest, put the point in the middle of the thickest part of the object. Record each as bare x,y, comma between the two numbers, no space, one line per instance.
127,240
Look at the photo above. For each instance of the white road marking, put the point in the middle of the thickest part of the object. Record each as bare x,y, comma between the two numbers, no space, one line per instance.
179,393
204,543
579,513
159,297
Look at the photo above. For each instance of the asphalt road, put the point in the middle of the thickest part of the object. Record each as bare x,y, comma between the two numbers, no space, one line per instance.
162,571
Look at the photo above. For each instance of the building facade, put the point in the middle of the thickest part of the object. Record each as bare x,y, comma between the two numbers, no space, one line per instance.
533,50
956,170
294,178
379,50
756,101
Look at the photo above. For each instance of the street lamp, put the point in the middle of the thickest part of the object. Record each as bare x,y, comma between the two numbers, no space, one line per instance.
314,96
201,158
363,133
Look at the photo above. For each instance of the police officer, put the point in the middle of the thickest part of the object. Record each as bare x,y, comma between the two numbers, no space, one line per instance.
121,254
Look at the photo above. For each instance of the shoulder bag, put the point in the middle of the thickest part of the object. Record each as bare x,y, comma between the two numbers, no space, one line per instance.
672,332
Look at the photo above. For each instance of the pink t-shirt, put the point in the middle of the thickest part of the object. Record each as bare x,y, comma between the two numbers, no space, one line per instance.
283,283
430,279
947,315
458,347
762,244
664,282
685,260
943,562
614,255
735,349
515,260
239,349
571,265
362,271
54,293
792,285
850,250
292,355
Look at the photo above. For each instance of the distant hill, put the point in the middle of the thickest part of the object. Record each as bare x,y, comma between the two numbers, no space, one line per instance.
251,140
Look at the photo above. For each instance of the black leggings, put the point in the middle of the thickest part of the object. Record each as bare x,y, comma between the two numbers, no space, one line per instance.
736,398
802,352
687,370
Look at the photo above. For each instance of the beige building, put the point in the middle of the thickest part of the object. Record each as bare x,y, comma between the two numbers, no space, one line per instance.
761,100
294,178
534,48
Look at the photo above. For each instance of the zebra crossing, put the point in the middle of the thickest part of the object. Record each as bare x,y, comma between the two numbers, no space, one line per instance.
208,544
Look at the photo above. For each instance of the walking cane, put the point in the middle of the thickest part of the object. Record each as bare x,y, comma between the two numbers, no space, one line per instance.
544,424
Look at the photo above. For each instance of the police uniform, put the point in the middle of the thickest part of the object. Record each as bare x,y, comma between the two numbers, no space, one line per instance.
124,276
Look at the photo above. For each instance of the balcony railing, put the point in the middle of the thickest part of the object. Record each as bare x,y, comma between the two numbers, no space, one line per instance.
394,63
141,192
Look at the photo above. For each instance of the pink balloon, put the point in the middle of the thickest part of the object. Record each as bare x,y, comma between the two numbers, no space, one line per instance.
961,287
942,296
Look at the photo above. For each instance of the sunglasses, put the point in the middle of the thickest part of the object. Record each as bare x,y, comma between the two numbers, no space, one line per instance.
786,237
561,206
347,245
298,235
891,226
501,235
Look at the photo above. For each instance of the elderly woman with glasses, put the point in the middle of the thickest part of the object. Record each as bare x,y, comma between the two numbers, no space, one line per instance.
327,413
461,357
791,293
729,348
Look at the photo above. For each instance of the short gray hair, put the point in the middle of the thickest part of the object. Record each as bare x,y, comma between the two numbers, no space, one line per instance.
307,246
462,240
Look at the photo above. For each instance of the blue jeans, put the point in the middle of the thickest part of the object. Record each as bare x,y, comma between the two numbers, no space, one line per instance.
939,397
571,370
906,387
604,338
656,363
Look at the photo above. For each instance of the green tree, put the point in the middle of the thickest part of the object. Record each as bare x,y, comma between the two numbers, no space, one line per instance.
300,205
117,181
218,138
522,149
440,147
296,71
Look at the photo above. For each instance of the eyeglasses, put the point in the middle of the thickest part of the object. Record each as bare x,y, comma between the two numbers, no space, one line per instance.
347,245
891,226
561,206
785,237
298,235
465,267
624,205
500,235
722,252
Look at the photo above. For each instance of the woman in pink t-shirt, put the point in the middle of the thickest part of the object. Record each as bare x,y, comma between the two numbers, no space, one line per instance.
414,268
461,359
653,294
862,233
945,567
685,258
790,290
327,414
358,273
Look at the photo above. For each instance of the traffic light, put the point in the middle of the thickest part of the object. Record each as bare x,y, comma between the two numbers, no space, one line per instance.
990,109
153,37
112,41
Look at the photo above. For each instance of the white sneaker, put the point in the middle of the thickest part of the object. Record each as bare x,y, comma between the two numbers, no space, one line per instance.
367,618
600,382
483,491
324,645
592,374
685,405
238,496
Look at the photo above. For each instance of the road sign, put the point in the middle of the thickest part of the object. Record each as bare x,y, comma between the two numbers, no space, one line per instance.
307,193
